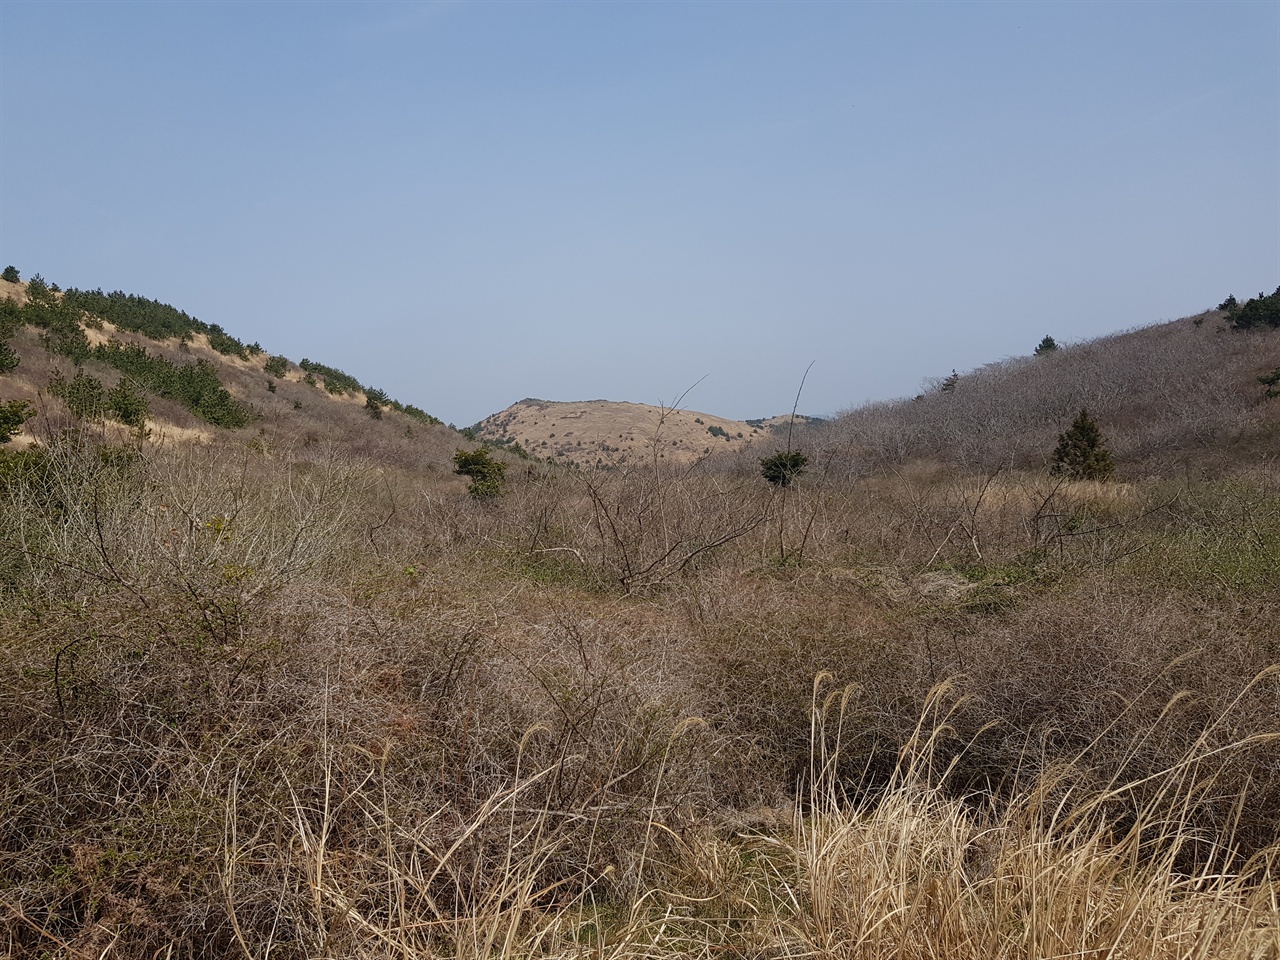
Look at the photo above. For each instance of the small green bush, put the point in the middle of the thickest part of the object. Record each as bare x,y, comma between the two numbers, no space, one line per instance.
8,359
1047,345
1272,382
782,469
127,403
83,394
11,274
13,414
487,474
276,366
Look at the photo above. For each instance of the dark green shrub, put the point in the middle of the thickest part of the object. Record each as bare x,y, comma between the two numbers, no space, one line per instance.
1081,453
335,381
83,394
782,469
8,359
949,384
1261,311
195,385
224,343
718,431
1272,382
276,366
1047,345
127,404
11,274
13,414
409,410
487,474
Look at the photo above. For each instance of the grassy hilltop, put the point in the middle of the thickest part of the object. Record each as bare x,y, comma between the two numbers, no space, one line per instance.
275,683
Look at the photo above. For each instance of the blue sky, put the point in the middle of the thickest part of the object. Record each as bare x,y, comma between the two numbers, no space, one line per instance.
470,203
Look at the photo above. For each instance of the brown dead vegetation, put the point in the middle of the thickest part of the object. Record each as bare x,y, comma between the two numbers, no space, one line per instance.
285,695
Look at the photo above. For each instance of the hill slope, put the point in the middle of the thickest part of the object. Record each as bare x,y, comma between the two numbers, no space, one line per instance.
1169,397
608,433
194,380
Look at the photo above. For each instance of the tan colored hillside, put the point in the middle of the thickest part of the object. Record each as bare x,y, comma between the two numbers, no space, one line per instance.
288,410
609,433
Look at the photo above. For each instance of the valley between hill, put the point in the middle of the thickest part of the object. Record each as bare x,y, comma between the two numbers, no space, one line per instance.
275,680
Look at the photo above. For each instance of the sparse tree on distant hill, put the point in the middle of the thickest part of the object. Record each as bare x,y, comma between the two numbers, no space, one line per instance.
1261,311
1047,345
1082,452
11,274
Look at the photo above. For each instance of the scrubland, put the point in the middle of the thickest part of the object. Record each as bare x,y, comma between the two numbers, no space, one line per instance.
290,691
272,700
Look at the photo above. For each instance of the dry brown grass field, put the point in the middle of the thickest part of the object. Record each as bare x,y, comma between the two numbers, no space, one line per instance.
292,692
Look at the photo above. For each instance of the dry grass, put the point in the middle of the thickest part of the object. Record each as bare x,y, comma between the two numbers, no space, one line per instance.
276,700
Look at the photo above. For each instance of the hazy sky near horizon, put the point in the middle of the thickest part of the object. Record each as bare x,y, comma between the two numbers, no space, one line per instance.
470,203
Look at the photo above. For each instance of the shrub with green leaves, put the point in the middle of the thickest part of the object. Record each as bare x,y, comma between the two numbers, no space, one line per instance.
781,469
13,414
276,366
335,381
1082,453
1047,345
83,394
8,359
486,473
1261,311
417,413
11,274
195,385
1272,382
127,403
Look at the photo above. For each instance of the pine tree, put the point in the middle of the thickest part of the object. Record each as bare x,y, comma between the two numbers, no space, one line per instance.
1047,345
781,469
13,414
1082,451
486,473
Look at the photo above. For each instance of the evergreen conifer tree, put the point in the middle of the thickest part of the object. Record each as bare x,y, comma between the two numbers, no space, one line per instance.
781,469
1082,451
